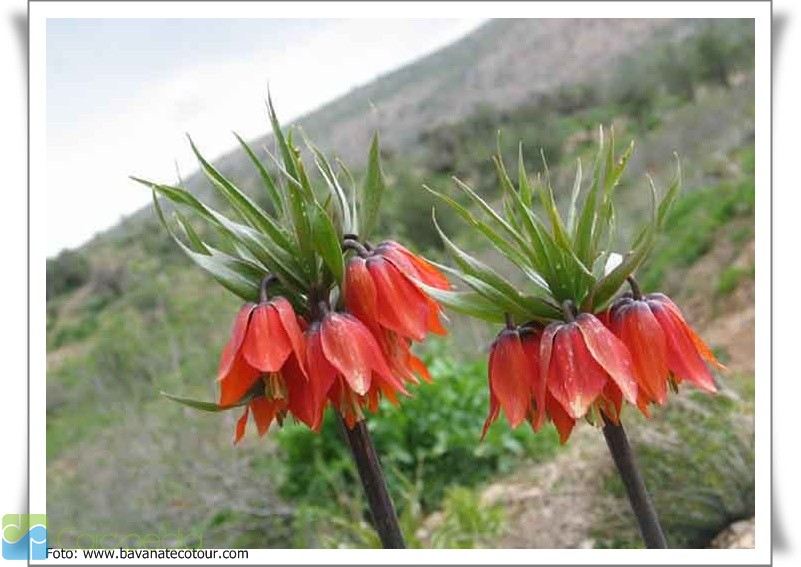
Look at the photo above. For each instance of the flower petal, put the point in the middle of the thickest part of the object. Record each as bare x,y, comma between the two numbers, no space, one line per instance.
241,376
235,342
546,350
401,306
360,292
575,379
434,324
266,345
537,383
289,321
309,399
509,375
264,412
492,416
639,330
352,350
683,358
414,266
563,422
610,353
241,423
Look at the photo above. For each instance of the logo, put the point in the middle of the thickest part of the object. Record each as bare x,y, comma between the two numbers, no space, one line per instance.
25,536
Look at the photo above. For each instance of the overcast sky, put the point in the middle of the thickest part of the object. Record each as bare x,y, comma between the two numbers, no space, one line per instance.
121,94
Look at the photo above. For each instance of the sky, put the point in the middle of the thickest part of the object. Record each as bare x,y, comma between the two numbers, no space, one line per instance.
121,95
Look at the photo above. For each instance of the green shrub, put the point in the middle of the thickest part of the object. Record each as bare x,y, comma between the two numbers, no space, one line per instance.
731,277
72,332
464,522
434,434
66,272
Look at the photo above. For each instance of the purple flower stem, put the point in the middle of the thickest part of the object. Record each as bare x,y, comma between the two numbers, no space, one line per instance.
640,501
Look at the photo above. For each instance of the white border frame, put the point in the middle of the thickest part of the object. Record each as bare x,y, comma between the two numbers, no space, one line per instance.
761,11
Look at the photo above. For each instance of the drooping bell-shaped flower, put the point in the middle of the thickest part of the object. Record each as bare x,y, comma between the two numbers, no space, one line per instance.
381,289
264,337
266,345
579,358
412,265
512,374
346,364
662,344
378,292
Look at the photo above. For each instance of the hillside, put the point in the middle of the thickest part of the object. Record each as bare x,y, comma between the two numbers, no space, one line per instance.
503,64
128,315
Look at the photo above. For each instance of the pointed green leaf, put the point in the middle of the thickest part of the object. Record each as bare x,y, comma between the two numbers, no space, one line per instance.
276,197
373,190
499,221
549,204
571,213
522,179
670,195
281,262
478,269
354,198
205,406
500,244
237,276
195,242
469,303
286,152
585,227
247,209
326,242
334,186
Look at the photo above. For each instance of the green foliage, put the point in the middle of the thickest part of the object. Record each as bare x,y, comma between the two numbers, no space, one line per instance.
691,226
66,272
467,522
463,148
464,522
436,433
72,332
731,276
722,49
562,260
678,67
636,90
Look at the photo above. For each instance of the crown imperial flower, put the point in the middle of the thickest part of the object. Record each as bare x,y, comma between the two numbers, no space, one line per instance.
577,357
663,346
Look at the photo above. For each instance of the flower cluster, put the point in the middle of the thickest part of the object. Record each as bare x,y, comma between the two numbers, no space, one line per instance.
581,352
280,364
588,365
335,317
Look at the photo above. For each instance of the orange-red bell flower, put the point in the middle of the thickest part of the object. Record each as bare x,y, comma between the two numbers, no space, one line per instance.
662,345
345,363
513,376
263,338
381,289
412,265
579,358
266,344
